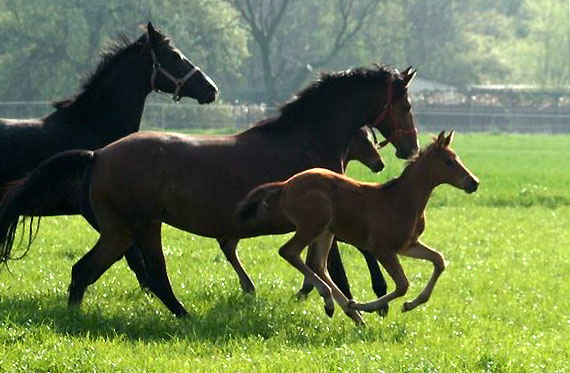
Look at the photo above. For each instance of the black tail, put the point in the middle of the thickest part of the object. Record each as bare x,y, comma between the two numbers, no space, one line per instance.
254,206
56,179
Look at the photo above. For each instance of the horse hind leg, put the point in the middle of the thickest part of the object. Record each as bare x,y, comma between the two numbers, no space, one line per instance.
109,248
229,248
148,239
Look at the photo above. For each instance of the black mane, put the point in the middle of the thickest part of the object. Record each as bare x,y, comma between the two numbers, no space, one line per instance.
308,102
114,52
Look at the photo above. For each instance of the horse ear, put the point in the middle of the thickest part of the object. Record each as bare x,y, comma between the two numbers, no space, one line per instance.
449,139
407,78
406,71
153,35
440,139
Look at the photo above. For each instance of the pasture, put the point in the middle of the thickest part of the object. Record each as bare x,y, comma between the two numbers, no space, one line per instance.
502,305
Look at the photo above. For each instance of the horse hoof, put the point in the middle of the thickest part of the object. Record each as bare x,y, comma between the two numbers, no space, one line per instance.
329,311
407,306
383,311
248,289
351,305
301,295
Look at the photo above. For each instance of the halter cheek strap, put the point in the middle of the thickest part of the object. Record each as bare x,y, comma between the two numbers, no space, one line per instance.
388,111
178,82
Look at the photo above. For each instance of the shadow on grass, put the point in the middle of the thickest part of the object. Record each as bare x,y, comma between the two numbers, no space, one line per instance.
229,318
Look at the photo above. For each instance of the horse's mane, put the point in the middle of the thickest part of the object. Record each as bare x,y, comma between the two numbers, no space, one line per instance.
409,165
311,101
92,83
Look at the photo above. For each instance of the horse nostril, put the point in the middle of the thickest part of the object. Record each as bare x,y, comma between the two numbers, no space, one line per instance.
472,186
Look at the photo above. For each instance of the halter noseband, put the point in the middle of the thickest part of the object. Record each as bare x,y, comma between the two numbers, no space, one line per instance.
178,83
388,111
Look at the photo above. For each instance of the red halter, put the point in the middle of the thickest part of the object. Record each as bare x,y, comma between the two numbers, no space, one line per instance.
397,132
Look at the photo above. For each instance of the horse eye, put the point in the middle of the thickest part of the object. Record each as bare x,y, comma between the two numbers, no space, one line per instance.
449,162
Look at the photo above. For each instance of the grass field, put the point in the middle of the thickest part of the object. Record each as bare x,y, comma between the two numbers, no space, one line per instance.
503,304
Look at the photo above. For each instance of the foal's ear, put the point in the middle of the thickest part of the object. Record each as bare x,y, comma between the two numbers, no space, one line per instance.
448,139
440,139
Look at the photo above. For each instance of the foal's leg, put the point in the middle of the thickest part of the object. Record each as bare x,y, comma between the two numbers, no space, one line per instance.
390,262
420,251
317,256
336,271
148,238
229,247
291,252
109,248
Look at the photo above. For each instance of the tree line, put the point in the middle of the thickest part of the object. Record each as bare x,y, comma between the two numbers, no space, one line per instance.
263,51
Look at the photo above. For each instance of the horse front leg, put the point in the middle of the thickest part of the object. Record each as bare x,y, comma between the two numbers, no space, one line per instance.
421,251
392,265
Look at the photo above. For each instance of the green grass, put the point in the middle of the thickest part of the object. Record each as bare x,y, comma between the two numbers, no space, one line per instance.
501,306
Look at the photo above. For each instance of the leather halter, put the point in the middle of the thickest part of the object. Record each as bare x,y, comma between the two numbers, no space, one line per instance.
388,111
178,82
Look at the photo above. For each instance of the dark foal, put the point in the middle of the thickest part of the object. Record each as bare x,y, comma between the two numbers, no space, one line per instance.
108,107
385,220
147,178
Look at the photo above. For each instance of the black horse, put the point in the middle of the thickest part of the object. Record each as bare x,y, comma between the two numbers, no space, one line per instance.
108,107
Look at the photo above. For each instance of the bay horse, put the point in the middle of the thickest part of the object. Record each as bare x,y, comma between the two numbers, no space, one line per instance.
385,220
194,183
109,106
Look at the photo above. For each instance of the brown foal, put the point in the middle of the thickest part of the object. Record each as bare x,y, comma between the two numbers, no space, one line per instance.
385,220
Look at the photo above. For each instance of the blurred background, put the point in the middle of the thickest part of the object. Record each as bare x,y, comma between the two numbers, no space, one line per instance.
484,65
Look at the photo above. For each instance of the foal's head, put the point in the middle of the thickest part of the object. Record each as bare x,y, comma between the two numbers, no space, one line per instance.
363,149
446,167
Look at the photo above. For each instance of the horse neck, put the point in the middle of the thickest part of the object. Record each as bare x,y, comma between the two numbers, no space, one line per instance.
116,109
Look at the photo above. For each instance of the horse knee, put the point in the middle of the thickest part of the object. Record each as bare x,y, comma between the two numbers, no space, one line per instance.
439,263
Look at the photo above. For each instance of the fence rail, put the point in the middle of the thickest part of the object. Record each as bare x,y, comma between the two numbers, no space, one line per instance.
428,117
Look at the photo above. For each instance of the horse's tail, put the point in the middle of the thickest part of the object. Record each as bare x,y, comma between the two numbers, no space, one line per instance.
56,179
254,206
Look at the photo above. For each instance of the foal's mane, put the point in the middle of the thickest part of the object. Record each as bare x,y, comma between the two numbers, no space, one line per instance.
314,100
99,78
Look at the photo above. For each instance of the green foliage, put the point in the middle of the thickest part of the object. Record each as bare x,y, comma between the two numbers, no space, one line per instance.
500,306
47,44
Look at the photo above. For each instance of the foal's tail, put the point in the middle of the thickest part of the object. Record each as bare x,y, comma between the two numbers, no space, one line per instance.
56,179
254,206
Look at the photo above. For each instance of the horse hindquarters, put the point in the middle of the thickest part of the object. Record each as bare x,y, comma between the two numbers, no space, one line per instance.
59,177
